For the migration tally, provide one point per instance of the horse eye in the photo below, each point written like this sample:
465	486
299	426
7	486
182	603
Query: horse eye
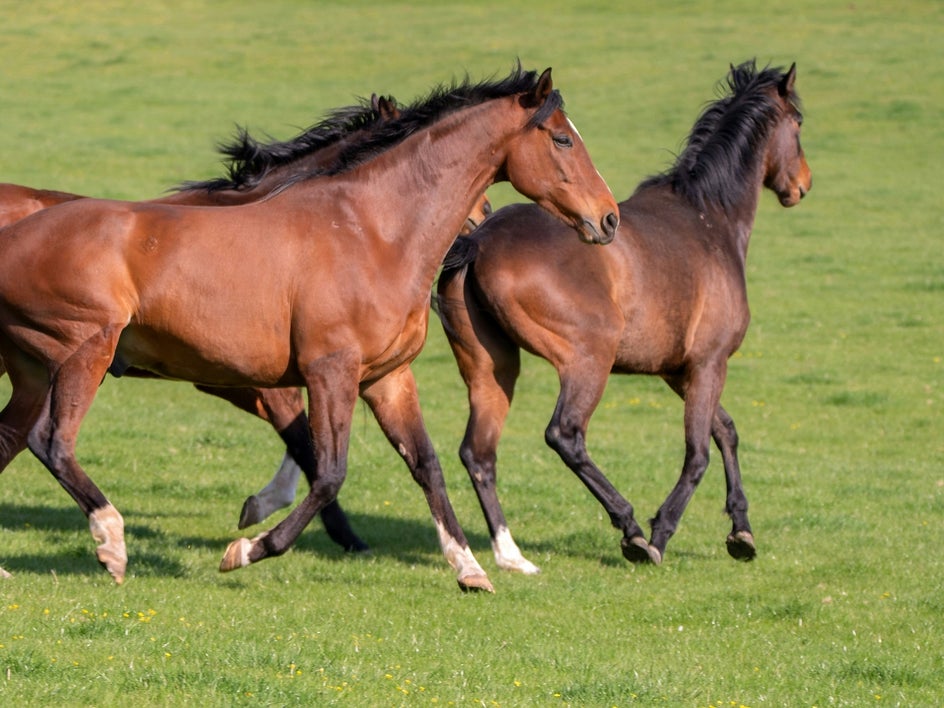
799	118
563	141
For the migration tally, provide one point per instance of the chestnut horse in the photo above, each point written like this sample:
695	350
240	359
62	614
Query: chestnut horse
254	170
312	286
667	298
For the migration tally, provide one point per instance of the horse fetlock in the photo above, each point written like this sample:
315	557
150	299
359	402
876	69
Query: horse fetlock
108	530
509	557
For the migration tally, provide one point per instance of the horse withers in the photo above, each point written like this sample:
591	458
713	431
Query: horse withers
667	298
314	286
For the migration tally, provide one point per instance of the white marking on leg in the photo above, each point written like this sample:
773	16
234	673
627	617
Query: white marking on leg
508	556
459	557
108	530
4	574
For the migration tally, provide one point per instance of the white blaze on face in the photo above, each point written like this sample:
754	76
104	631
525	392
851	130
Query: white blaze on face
577	132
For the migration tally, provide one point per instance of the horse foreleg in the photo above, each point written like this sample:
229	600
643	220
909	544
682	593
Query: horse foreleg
395	404
567	436
53	440
284	410
332	393
740	541
701	390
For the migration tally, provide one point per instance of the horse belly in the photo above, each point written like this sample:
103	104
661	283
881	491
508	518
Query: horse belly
207	355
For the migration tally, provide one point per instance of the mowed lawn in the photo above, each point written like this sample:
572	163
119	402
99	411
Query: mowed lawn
837	390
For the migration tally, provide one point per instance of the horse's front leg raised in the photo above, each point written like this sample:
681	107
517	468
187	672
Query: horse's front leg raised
395	403
332	393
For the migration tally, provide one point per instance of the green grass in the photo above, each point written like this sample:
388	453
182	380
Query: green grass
837	390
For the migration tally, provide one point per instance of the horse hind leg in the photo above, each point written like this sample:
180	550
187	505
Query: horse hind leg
489	363
53	440
740	542
17	418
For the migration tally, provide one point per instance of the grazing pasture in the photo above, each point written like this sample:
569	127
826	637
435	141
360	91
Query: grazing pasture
837	389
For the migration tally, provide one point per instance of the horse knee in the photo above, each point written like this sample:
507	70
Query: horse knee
566	442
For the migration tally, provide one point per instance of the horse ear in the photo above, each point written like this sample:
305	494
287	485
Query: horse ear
786	83
542	89
387	108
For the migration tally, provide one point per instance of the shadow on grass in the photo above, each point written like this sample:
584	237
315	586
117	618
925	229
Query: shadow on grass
407	541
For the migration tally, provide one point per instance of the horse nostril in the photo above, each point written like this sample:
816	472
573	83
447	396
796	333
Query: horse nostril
610	224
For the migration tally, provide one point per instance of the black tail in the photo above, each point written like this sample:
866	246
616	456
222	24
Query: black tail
461	255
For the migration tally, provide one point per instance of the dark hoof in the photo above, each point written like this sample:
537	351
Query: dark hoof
741	546
250	514
636	550
357	546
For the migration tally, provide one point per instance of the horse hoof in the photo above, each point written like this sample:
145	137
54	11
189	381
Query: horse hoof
636	550
655	555
741	546
108	529
251	513
236	556
4	574
475	583
115	562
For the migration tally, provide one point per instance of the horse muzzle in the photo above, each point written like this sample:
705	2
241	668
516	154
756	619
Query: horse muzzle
602	233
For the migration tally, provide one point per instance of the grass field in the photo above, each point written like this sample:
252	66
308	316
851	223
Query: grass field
837	390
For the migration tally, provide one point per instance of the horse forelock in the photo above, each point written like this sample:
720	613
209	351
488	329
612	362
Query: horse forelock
725	142
249	160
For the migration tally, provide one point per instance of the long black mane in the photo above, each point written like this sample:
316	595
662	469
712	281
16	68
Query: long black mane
249	161
441	101
722	148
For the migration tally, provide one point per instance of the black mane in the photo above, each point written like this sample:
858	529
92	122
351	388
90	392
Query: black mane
441	101
722	147
249	161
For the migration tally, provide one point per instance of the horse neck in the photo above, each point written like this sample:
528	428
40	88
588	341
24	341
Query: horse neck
739	218
445	169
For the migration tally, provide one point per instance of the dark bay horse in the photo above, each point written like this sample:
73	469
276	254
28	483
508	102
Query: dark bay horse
323	284
666	298
254	170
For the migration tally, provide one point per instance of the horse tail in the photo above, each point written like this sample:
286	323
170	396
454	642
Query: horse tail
449	302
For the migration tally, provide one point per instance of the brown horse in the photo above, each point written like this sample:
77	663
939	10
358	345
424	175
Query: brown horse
324	284
254	170
667	298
